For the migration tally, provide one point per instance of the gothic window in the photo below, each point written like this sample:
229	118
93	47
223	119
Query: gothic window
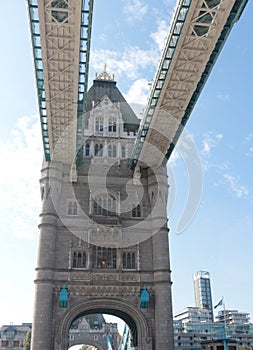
129	261
72	208
79	260
99	124
104	257
123	151
98	151
112	151
87	150
136	211
104	204
112	125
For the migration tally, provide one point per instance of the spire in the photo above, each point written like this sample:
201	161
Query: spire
104	75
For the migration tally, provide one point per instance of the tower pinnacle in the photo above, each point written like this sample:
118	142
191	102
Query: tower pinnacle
104	75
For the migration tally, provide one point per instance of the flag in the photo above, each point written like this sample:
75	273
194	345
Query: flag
219	303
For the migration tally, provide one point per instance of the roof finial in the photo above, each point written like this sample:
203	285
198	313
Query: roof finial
105	75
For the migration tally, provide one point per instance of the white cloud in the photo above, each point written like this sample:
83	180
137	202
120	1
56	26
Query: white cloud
138	92
169	2
248	140
210	141
249	153
238	189
137	96
249	137
103	37
159	36
223	97
129	63
21	158
135	10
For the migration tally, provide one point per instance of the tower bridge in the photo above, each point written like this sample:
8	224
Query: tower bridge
103	245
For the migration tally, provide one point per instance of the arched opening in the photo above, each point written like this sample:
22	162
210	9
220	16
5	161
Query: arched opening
104	331
99	332
139	330
83	347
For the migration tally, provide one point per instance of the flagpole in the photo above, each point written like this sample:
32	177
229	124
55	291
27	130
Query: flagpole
224	325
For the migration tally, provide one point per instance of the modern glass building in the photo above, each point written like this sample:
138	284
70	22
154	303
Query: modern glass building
233	317
202	291
192	335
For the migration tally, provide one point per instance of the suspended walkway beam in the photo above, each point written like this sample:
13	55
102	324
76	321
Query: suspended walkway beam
197	34
61	31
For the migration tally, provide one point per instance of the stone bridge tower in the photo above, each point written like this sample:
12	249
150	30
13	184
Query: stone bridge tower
103	245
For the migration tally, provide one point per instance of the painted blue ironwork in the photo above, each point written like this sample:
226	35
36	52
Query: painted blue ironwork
125	342
162	71
39	74
85	37
169	49
144	298
108	342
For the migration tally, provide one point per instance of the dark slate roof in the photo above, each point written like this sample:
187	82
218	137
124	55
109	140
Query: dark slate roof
25	327
95	320
100	88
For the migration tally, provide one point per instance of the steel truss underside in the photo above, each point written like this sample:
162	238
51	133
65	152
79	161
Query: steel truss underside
196	37
61	31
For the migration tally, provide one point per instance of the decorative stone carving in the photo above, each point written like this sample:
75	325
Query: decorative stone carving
109	291
107	237
105	276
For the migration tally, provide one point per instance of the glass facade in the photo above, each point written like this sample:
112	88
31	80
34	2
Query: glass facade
202	291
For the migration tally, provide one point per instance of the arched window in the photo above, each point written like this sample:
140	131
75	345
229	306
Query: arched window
136	211
104	204
104	257
87	150
79	260
129	260
72	208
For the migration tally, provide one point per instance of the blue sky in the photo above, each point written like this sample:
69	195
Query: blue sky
128	35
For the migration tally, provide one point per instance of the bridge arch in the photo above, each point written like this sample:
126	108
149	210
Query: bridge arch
92	343
133	317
